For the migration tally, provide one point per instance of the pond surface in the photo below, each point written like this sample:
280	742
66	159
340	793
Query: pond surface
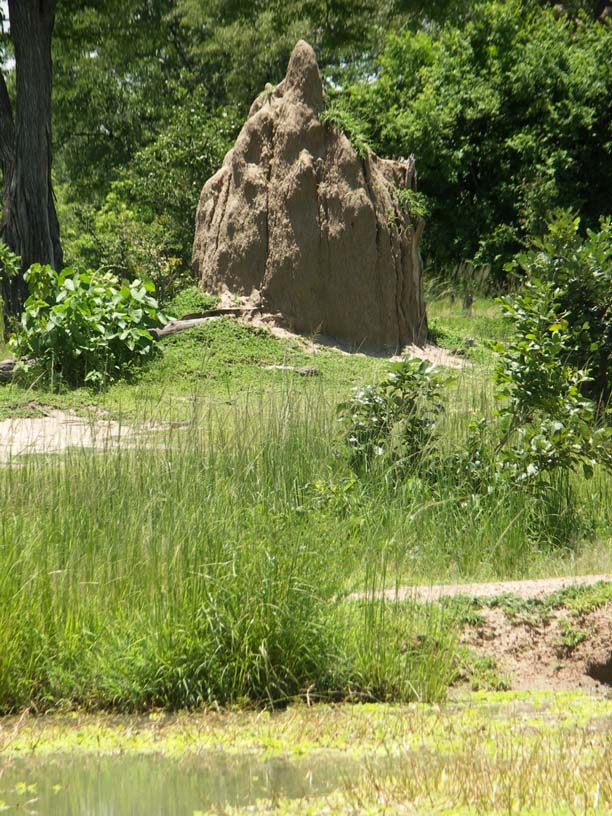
147	785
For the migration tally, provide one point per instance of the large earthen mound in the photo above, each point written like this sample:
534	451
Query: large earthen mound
297	221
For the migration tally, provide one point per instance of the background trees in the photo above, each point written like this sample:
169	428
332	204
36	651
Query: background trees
509	115
506	105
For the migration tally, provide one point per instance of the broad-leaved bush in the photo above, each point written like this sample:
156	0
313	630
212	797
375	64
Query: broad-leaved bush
85	328
553	377
395	421
578	269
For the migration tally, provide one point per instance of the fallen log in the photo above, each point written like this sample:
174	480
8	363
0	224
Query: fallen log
7	367
192	320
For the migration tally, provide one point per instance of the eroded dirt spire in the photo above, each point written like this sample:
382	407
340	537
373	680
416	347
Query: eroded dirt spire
296	220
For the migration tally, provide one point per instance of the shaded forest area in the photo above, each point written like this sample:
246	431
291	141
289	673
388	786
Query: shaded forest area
506	105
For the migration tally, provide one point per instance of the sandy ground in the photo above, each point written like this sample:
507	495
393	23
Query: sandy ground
57	431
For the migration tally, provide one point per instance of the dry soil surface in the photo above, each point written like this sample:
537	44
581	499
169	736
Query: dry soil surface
558	650
55	431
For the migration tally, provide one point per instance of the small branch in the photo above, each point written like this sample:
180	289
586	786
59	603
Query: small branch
192	320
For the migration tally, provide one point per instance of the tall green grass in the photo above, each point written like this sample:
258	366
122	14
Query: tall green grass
211	564
195	571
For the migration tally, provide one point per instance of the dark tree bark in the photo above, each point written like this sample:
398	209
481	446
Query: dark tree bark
29	221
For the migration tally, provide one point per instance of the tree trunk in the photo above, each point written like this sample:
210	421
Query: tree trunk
29	222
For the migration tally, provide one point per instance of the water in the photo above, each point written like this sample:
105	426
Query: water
146	785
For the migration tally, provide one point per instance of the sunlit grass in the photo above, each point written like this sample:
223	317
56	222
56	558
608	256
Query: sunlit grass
207	560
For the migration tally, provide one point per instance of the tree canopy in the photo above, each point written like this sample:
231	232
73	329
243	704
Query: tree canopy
506	106
509	116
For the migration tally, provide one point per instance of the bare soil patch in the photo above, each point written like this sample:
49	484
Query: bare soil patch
560	649
56	431
561	652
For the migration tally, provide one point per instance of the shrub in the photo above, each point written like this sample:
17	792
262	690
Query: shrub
87	327
579	271
10	265
543	375
144	226
396	420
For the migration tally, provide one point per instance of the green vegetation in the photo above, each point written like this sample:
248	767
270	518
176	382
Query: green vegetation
213	560
537	753
507	114
84	328
343	120
412	202
394	420
505	106
207	566
234	549
570	277
577	601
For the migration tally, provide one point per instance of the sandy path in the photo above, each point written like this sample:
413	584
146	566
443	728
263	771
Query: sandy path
55	432
525	589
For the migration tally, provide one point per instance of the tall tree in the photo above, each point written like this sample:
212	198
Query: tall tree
29	223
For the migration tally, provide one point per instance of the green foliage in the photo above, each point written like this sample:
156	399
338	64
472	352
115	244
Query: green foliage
85	328
9	262
505	104
580	270
144	228
10	265
123	69
114	62
546	430
396	420
412	202
343	120
118	239
561	322
507	113
225	36
191	300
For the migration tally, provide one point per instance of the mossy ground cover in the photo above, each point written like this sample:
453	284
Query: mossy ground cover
484	753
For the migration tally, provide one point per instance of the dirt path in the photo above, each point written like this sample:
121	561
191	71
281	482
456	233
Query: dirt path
56	431
537	588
